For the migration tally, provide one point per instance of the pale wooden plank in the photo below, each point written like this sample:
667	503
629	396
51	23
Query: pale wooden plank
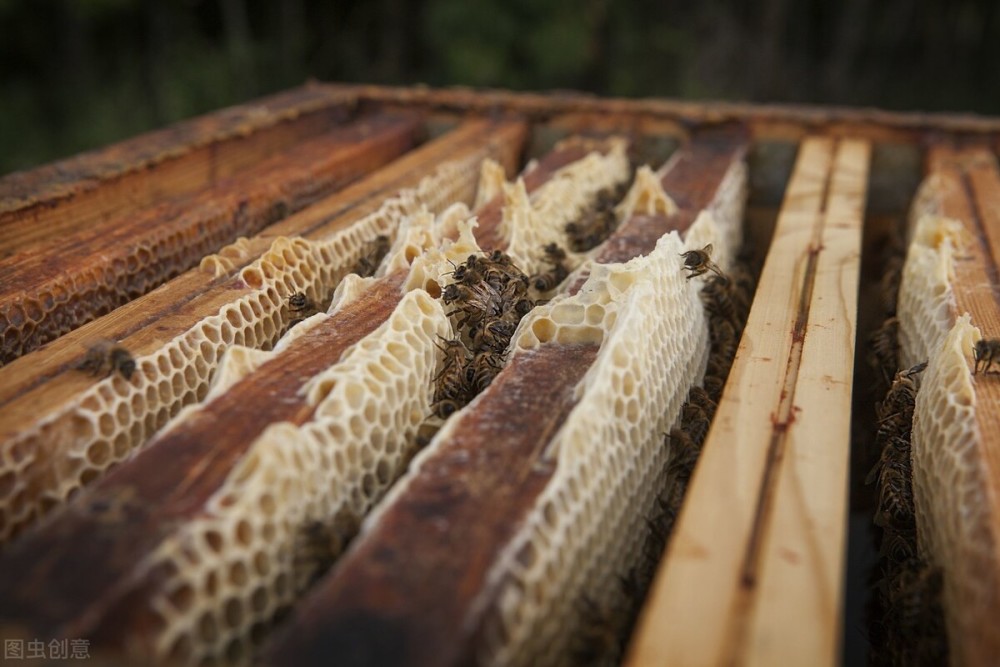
798	608
724	562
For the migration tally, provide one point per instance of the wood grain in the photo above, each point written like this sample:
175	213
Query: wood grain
764	518
91	188
50	288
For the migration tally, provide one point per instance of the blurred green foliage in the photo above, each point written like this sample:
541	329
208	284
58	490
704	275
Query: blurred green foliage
77	74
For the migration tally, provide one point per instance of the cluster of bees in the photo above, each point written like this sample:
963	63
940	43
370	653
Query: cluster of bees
598	223
489	297
909	591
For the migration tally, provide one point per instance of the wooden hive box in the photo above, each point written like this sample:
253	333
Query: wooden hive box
257	403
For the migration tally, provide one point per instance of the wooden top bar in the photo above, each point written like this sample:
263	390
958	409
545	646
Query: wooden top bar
177	160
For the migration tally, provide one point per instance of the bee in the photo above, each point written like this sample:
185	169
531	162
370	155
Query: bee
494	336
595	226
548	280
699	396
895	502
897	546
695	422
717	299
316	545
985	352
901	397
371	256
480	373
450	383
446	408
104	358
697	262
885	347
481	297
684	454
725	340
301	306
713	384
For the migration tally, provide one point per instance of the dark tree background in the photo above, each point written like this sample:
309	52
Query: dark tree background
76	74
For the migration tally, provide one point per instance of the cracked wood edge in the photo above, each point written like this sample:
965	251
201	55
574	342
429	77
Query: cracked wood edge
753	572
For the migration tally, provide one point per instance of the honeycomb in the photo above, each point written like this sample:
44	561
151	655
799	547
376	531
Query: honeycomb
645	197
236	566
952	496
42	466
571	190
610	452
926	303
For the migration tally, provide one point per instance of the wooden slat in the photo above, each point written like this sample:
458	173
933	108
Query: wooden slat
621	114
90	188
414	584
48	289
970	194
753	571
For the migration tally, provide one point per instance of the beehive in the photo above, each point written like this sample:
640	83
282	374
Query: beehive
657	467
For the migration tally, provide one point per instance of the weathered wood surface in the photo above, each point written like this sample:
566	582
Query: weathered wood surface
968	191
90	188
620	114
407	594
753	574
52	287
145	323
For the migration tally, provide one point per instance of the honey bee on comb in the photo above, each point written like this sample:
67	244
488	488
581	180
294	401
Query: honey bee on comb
547	281
105	357
698	262
371	256
985	352
301	306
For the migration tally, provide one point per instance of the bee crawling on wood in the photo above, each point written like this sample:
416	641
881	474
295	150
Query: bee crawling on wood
698	262
104	358
985	352
372	255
